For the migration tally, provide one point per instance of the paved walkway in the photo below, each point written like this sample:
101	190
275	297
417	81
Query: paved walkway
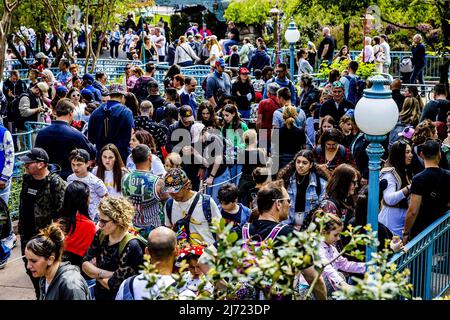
14	282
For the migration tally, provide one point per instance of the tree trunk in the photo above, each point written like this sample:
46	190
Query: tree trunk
443	74
347	34
5	26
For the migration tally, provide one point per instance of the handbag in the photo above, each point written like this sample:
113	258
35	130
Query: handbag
181	227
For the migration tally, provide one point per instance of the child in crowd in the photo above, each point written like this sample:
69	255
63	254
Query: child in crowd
258	85
346	126
191	288
332	275
230	209
79	159
261	176
234	57
173	160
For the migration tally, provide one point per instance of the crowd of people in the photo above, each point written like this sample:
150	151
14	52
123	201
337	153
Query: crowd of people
143	167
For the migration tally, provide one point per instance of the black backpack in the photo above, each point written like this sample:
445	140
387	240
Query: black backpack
12	110
356	88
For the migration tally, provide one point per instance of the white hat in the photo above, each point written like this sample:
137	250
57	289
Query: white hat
196	131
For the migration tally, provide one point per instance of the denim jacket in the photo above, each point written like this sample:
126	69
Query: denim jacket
312	199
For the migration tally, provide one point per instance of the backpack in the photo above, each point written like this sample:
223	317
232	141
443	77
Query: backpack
356	88
124	242
406	65
12	109
182	226
247	291
251	51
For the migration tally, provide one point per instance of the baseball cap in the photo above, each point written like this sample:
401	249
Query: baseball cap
61	91
186	112
244	70
117	88
221	62
35	155
174	180
196	130
88	78
407	132
44	88
87	95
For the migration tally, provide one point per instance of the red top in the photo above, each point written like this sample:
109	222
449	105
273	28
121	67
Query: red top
80	240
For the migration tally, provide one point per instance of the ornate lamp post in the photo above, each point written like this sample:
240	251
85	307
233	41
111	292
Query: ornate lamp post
292	35
276	31
365	19
375	114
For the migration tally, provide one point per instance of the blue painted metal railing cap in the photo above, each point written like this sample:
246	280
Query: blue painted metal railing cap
378	91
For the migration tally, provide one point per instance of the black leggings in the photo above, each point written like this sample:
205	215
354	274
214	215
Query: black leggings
114	48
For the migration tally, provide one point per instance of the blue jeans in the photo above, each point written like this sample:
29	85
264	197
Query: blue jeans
235	170
186	64
227	44
418	74
217	184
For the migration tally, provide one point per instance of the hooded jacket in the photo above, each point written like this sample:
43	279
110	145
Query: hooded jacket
259	60
68	284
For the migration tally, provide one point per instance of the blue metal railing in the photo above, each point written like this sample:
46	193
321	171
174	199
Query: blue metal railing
428	259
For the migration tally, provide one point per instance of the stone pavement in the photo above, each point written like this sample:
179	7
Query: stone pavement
14	282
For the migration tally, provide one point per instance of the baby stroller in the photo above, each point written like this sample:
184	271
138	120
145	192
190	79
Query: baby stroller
406	69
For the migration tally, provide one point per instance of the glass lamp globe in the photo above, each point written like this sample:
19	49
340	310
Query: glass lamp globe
292	35
376	113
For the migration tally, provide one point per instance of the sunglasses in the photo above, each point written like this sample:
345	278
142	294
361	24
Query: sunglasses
338	84
103	222
282	199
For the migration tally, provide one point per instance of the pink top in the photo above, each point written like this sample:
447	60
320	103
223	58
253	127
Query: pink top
328	253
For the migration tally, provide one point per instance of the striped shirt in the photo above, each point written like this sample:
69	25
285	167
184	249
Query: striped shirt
139	187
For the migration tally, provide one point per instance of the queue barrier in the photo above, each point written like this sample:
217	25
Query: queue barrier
427	257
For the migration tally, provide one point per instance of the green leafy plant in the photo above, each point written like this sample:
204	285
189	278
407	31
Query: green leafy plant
365	70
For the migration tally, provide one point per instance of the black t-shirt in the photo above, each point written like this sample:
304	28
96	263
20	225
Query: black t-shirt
213	147
253	159
291	140
28	201
433	184
260	229
330	52
300	197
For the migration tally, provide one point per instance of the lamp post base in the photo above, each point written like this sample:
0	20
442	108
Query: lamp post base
374	151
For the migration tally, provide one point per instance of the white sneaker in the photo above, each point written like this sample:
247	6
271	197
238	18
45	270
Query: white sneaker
10	241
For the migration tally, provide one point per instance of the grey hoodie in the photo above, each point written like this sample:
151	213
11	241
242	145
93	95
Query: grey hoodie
68	284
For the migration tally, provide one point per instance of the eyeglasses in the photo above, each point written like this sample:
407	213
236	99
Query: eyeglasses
282	199
355	182
102	223
279	71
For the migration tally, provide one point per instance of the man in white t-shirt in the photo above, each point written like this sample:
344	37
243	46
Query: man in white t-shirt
160	42
163	250
178	186
79	160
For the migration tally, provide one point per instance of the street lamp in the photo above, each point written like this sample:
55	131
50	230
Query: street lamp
376	114
276	31
292	35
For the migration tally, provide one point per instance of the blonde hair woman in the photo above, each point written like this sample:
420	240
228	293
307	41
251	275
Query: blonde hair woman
117	253
410	113
184	54
215	51
291	138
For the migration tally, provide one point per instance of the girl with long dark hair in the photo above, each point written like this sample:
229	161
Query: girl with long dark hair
340	192
76	223
207	115
398	175
110	169
305	183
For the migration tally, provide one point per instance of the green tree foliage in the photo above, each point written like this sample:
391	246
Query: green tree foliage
248	11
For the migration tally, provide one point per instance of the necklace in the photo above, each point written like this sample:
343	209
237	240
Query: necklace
303	179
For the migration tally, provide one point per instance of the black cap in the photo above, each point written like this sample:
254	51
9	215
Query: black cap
35	155
186	112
